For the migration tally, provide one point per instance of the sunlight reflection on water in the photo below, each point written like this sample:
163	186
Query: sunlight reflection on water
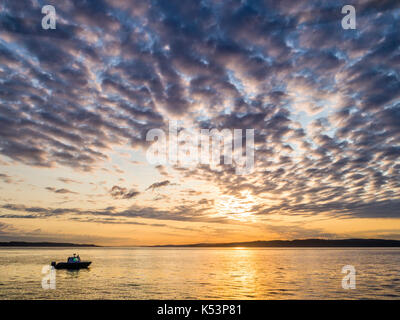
202	273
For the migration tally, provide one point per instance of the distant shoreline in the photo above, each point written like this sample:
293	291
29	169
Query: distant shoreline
300	243
306	243
43	244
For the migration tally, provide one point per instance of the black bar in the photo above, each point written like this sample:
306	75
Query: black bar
200	309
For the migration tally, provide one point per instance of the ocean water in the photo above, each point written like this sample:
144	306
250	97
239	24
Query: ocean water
203	273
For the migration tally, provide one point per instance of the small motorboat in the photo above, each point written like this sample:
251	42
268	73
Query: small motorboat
73	262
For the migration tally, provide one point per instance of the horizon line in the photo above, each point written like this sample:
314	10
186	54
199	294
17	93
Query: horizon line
200	244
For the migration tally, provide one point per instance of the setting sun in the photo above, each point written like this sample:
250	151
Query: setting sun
236	207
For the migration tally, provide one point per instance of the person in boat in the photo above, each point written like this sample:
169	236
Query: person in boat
74	258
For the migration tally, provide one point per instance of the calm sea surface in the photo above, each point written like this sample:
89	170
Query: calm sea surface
202	273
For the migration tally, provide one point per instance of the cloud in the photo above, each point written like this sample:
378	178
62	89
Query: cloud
68	181
324	102
5	178
61	191
189	213
123	193
160	184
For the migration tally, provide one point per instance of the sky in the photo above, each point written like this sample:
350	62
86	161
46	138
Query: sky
77	102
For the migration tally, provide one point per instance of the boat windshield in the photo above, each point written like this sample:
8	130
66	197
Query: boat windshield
74	259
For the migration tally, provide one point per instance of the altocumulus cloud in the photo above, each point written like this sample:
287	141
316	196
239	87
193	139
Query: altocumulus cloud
324	102
160	184
118	192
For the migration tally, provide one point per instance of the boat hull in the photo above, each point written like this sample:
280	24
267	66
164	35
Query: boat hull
73	265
